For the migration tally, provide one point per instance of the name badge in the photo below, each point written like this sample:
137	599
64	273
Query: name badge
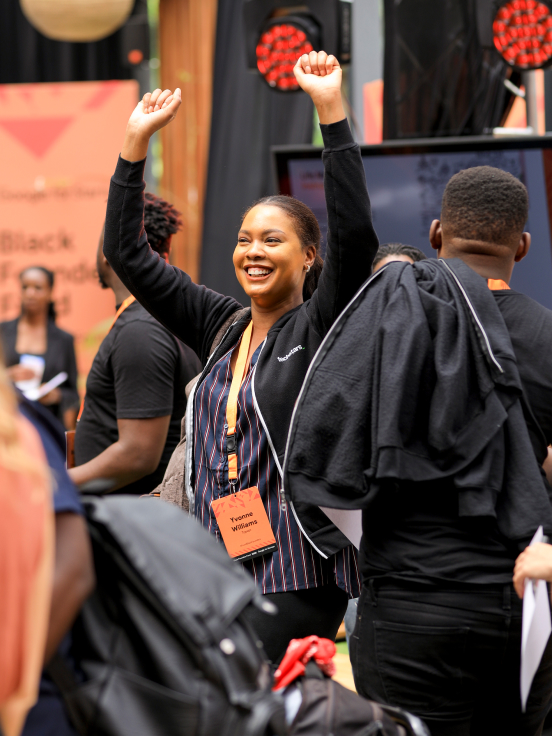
244	524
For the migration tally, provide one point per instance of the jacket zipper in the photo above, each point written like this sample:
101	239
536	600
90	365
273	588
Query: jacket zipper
303	387
283	500
474	314
318	352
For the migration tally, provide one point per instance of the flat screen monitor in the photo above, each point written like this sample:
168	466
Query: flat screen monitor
406	180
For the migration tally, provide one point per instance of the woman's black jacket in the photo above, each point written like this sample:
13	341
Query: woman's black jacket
59	357
195	314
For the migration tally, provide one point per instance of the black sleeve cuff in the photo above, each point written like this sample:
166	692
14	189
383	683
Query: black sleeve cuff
129	174
337	135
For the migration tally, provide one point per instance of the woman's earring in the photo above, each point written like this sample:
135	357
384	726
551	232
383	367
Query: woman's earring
308	269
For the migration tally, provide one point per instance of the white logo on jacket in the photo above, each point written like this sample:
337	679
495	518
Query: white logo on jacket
288	356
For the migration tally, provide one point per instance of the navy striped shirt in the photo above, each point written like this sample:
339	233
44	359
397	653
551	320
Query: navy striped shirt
295	565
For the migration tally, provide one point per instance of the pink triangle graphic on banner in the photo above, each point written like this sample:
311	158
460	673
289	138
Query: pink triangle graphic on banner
36	134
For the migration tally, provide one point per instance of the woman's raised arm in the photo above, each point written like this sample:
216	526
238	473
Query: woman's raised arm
351	242
193	313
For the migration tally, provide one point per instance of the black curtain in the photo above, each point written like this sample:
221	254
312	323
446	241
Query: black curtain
442	77
28	56
248	117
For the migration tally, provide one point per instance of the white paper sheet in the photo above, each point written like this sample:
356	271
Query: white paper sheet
348	522
536	628
36	364
34	394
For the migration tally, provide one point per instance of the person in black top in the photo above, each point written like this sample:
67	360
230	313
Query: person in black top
534	563
135	391
439	623
35	333
295	299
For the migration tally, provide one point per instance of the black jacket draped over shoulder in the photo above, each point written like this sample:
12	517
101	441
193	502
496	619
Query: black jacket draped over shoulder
195	314
417	381
59	357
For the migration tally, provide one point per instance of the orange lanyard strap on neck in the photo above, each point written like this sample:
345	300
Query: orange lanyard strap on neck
232	404
497	284
127	302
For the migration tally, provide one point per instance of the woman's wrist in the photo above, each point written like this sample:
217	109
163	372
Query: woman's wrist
330	108
135	146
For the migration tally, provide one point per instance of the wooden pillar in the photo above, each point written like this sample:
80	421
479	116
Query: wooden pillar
187	31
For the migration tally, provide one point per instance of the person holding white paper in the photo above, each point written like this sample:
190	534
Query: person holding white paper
534	563
36	350
450	495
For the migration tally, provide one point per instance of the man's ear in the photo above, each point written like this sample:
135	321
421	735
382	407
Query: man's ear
436	235
523	247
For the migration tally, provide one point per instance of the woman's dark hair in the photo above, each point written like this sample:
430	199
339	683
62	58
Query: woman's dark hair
51	278
307	229
161	222
398	249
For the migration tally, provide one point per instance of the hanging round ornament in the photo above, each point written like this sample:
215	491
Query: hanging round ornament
77	20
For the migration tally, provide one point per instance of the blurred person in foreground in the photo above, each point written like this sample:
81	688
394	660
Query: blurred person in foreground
34	334
73	571
26	560
135	391
392	252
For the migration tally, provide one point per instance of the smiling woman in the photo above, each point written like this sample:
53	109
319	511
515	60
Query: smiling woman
277	259
302	227
240	409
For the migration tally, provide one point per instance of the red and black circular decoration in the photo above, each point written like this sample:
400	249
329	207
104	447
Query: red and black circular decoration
278	49
522	34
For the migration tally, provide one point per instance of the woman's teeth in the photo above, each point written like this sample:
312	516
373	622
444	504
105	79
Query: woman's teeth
258	271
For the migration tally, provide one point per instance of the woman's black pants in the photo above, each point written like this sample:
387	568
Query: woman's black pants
450	656
316	611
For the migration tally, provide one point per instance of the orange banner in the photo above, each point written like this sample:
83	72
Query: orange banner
58	149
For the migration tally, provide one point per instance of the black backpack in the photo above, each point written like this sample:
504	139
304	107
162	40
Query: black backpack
162	647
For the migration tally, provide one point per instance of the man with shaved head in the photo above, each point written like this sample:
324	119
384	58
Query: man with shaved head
443	582
483	213
440	422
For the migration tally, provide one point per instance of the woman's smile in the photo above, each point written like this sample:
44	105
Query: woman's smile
257	273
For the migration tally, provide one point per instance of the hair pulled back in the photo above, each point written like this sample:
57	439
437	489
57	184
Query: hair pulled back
161	222
50	276
307	229
398	249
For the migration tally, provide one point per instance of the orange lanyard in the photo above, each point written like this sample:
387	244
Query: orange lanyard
232	404
127	302
497	284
